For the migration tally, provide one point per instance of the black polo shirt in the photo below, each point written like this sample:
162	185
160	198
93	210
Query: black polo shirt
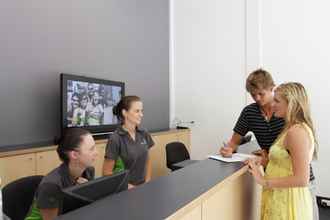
266	132
49	192
134	153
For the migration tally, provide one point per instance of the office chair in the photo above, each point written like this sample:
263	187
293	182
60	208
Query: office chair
18	195
176	152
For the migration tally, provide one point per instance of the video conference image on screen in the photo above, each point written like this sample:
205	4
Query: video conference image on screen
91	104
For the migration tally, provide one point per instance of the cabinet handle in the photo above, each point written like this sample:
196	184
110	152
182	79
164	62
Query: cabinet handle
30	158
40	157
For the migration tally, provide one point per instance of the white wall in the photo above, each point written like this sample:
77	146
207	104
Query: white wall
296	47
208	64
215	43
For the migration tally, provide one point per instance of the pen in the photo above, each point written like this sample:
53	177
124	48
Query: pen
225	146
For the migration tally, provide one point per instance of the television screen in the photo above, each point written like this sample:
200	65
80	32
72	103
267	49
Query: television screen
88	102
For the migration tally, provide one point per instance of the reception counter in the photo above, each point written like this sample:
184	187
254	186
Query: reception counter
208	189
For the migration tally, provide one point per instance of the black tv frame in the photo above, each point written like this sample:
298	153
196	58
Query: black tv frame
100	130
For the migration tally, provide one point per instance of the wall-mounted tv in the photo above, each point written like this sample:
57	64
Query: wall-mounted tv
88	102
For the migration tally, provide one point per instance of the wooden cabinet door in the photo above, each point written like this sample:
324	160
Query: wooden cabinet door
100	159
184	137
47	161
158	154
41	163
15	167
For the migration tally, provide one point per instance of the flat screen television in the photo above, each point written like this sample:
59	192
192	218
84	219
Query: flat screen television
88	102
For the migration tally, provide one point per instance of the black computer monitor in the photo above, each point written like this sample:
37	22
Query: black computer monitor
80	195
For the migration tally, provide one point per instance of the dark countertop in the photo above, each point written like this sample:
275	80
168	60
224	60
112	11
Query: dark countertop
159	198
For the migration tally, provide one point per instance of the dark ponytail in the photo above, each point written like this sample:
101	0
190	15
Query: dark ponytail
124	103
71	140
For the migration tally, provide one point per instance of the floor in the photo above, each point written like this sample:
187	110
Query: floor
324	213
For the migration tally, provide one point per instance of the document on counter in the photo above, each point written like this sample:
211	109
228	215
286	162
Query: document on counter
236	157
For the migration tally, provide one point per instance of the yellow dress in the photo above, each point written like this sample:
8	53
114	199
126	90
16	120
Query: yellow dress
294	203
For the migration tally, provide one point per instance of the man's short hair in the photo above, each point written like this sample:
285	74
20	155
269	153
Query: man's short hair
259	79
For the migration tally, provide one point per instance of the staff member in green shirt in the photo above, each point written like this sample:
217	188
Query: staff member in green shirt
129	143
78	152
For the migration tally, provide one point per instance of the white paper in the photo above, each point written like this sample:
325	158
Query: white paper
236	157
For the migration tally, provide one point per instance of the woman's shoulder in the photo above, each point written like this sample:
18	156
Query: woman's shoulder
53	177
143	131
297	133
117	135
118	132
298	129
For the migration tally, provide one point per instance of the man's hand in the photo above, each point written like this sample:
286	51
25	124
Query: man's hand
226	151
131	186
81	180
258	152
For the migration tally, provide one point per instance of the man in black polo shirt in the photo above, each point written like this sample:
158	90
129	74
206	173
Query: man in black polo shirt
259	118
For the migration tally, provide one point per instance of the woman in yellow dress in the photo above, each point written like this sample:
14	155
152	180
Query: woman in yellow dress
285	193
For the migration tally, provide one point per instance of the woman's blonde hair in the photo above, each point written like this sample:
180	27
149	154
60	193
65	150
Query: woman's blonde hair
298	110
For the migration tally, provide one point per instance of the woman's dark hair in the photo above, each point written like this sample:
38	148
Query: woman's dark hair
71	139
124	103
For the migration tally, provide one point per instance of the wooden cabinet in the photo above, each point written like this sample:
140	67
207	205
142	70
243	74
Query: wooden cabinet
46	161
237	197
192	211
158	152
100	159
17	166
158	155
40	161
184	137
